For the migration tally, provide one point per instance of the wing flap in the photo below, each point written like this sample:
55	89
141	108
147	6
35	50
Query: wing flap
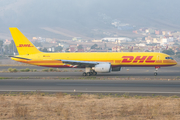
80	63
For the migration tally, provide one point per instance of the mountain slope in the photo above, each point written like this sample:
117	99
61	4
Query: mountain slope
81	16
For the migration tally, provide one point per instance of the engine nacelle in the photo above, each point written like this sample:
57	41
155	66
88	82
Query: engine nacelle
116	69
103	67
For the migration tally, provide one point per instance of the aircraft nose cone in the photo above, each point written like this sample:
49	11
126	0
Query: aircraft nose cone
175	63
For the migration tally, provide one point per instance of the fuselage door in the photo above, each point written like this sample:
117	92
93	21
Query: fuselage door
158	59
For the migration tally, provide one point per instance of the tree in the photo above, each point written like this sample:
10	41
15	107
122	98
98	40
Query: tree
37	44
105	46
143	38
67	50
10	47
58	49
169	52
6	49
44	50
14	47
94	46
1	45
177	53
80	47
177	56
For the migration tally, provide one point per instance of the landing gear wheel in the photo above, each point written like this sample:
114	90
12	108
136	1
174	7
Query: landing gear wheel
94	73
155	74
84	74
88	73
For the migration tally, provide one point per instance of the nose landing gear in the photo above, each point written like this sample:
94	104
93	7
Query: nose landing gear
155	72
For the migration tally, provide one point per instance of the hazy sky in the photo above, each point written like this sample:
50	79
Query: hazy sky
82	15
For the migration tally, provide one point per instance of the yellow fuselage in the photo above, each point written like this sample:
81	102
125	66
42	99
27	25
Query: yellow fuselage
116	59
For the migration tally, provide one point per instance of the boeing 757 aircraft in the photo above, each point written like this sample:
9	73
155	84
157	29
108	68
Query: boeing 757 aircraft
93	62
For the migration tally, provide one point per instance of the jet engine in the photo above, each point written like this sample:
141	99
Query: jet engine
103	67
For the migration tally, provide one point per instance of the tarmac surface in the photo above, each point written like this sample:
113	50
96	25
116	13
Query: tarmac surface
92	86
163	84
141	72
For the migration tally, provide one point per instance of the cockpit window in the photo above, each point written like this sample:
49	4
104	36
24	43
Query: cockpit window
169	58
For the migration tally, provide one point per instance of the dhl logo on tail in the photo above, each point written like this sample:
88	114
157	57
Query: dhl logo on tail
25	45
138	59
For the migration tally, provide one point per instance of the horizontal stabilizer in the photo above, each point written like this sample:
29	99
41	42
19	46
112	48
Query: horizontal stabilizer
21	58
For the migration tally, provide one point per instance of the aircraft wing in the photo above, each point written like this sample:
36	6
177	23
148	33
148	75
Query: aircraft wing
80	63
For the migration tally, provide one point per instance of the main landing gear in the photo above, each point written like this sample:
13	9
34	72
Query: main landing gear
155	72
89	72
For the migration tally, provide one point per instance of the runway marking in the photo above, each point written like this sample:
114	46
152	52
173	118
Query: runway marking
88	91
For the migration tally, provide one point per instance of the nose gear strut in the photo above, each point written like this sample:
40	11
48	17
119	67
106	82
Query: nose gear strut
155	72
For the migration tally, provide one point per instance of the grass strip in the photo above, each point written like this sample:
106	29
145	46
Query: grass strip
37	105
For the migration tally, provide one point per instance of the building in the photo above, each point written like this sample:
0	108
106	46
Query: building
60	45
80	50
163	41
147	31
151	31
122	39
79	39
73	48
7	42
141	44
157	32
135	31
156	40
149	41
96	40
163	32
116	49
51	49
34	38
49	40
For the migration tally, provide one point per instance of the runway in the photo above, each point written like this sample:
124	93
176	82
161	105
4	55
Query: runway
144	82
146	72
92	86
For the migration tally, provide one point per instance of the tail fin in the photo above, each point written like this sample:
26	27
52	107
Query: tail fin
24	46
